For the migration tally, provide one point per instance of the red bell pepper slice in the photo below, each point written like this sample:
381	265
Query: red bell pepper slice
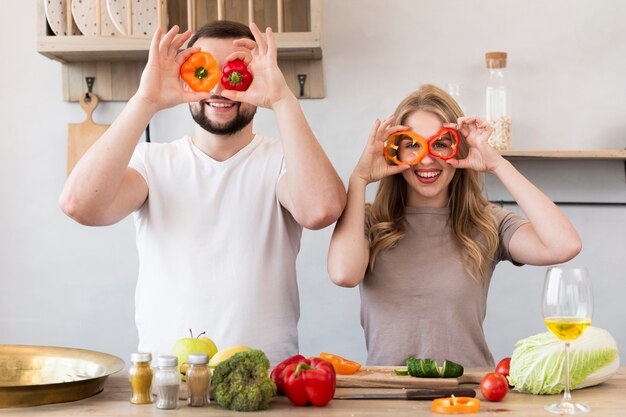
277	373
235	76
311	381
438	146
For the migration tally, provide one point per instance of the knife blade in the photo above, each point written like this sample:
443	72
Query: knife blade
409	394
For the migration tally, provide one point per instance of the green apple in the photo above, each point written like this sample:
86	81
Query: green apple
212	346
183	347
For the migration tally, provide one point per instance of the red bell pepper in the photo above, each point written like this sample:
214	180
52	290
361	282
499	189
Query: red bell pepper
311	381
235	75
277	372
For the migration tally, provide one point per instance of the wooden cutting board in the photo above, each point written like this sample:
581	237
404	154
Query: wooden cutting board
80	136
385	377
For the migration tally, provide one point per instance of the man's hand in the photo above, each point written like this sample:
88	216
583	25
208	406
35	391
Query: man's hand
160	85
268	86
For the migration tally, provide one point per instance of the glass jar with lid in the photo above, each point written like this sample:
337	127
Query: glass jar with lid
167	382
198	379
498	101
140	376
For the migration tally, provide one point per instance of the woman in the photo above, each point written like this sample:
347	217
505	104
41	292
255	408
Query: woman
432	240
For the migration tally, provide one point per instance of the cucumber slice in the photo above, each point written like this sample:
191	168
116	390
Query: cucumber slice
401	372
430	368
414	367
451	369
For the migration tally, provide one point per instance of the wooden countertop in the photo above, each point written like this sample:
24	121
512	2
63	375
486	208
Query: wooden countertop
606	400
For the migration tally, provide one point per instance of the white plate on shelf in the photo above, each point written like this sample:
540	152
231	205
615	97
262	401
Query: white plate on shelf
57	18
85	13
144	16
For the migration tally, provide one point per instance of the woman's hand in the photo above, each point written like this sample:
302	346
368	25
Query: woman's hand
160	84
372	165
481	156
268	86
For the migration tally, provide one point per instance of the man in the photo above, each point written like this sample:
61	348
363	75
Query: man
219	214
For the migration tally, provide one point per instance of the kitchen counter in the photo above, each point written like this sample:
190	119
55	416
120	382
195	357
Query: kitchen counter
606	400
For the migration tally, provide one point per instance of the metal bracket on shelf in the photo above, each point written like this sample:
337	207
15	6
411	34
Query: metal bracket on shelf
90	81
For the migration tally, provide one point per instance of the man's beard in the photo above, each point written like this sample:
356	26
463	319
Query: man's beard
241	120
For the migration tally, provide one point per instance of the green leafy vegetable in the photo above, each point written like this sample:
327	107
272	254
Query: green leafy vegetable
537	362
242	382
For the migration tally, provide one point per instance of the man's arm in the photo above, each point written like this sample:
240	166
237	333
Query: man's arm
101	189
311	189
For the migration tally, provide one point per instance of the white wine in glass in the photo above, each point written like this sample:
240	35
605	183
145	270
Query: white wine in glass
567	309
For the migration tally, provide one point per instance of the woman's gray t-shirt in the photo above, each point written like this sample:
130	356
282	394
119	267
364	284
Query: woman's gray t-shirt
420	302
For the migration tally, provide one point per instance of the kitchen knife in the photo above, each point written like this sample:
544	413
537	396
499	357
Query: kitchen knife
409	394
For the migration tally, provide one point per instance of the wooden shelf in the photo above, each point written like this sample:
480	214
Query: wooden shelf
117	61
69	49
607	154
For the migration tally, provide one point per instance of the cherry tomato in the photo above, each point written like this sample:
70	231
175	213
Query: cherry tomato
494	386
504	367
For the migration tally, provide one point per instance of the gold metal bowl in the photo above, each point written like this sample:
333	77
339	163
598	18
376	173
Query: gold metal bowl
36	375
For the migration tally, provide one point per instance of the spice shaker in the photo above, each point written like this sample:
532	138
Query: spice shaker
198	379
498	101
167	381
140	376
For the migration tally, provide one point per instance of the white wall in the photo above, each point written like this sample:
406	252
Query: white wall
69	285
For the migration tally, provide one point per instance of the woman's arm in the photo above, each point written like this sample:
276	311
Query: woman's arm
348	255
549	238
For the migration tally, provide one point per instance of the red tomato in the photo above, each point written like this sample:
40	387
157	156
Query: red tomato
494	386
504	366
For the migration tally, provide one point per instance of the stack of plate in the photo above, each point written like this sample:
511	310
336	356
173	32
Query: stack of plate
113	15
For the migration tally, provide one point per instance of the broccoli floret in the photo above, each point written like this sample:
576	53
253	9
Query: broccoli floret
242	382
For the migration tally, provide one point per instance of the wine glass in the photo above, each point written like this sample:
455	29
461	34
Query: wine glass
567	308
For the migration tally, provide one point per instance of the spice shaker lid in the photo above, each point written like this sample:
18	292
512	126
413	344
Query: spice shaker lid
141	357
198	358
495	59
167	360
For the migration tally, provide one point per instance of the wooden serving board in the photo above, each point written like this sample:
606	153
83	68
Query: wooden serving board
80	136
385	377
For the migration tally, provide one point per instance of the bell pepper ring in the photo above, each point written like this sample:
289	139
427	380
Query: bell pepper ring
456	405
311	381
342	366
443	145
235	75
200	71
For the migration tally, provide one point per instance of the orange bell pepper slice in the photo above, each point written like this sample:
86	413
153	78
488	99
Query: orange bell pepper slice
342	366
200	71
456	405
416	139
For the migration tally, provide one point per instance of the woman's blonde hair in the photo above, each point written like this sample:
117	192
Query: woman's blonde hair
468	216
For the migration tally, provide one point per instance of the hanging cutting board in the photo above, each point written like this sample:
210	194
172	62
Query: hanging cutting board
385	377
80	136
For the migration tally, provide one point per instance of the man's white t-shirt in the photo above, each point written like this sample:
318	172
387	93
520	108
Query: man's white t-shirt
217	251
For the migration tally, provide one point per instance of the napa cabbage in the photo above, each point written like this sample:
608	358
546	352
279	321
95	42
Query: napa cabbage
537	362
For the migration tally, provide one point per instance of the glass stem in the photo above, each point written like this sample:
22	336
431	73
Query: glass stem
567	397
